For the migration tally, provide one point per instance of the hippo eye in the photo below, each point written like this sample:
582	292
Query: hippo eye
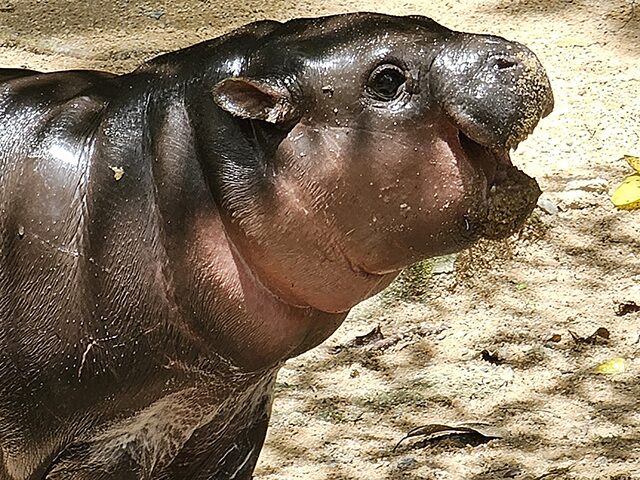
385	82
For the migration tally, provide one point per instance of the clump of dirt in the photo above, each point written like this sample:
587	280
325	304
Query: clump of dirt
511	201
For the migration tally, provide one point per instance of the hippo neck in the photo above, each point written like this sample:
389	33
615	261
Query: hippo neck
217	294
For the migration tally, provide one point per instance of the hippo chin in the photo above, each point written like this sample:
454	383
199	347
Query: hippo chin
169	237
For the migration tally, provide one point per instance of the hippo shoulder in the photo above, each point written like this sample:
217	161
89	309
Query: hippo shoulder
47	122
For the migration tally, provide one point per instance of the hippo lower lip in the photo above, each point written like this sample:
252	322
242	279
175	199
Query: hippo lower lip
511	194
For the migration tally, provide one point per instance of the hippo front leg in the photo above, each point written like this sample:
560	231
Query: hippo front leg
74	469
237	463
242	439
186	435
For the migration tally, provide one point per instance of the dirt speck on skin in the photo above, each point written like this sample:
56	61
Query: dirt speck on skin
338	416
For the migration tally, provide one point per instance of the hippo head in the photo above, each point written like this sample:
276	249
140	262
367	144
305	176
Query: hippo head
382	141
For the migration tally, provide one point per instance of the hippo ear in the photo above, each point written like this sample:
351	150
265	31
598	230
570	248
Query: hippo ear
257	99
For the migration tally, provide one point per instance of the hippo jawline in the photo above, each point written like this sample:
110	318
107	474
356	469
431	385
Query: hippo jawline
511	197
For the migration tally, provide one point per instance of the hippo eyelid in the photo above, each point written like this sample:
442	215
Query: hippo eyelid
386	82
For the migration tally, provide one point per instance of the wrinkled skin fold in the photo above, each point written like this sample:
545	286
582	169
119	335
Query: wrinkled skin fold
169	237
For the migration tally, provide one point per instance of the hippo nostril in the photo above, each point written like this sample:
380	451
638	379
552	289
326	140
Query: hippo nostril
502	63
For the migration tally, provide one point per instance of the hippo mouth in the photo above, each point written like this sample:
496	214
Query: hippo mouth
510	195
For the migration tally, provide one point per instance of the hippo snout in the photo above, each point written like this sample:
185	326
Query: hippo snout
495	91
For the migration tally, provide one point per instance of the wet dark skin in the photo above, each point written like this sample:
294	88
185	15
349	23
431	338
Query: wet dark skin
169	237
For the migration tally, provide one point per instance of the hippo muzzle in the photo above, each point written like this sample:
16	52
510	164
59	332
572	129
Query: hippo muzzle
495	92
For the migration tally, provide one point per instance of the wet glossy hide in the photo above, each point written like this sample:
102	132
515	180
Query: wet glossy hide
169	237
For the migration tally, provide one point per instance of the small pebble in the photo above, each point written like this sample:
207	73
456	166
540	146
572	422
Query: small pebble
155	14
407	462
575	200
547	206
445	264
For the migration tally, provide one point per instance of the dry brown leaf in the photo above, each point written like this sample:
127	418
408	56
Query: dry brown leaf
555	338
492	358
431	431
625	308
601	335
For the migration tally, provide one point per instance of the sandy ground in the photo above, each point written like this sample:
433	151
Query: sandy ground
340	412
